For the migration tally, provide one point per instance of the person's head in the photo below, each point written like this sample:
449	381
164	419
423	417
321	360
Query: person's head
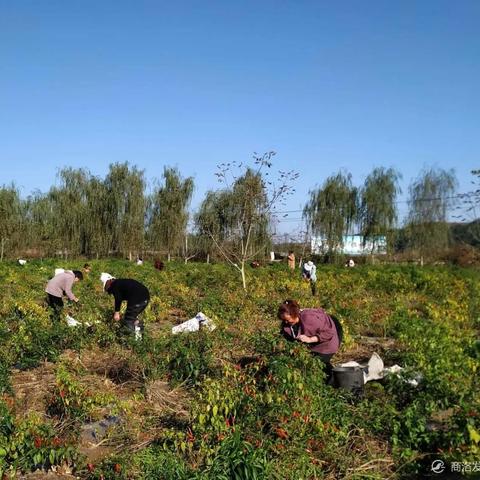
108	284
289	312
87	268
290	252
78	275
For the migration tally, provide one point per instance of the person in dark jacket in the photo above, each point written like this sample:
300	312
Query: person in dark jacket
137	297
322	333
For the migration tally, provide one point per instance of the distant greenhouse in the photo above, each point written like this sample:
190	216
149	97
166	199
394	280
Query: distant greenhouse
353	245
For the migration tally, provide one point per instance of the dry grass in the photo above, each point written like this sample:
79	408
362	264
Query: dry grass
369	457
32	389
162	399
114	363
364	347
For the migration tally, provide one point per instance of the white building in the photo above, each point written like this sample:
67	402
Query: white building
352	245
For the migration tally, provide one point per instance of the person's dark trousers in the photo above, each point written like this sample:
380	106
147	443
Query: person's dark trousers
313	286
56	304
326	357
130	319
339	328
328	367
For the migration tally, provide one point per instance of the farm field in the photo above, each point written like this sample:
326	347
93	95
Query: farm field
238	402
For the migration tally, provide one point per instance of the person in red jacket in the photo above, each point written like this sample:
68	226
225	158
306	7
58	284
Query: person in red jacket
322	333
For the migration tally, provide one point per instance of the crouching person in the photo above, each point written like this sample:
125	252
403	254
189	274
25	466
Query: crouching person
322	333
137	297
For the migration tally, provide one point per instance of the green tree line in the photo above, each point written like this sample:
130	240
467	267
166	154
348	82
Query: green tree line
121	215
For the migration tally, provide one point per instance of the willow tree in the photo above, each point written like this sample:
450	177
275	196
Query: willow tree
125	208
39	224
98	228
378	209
430	197
71	215
214	220
10	215
169	211
331	211
237	217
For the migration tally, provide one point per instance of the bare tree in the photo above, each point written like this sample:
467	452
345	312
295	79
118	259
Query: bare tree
237	218
468	211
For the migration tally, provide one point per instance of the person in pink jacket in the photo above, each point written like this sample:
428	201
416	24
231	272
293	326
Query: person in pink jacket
61	285
321	332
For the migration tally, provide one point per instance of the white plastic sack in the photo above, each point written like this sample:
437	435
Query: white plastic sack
375	369
22	262
194	324
396	369
71	322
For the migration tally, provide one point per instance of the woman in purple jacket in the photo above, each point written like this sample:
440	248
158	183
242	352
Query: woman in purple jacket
313	326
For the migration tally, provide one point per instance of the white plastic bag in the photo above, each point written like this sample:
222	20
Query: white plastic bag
72	322
194	324
206	322
375	370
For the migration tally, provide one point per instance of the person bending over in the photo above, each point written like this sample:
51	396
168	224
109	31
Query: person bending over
61	285
137	297
322	333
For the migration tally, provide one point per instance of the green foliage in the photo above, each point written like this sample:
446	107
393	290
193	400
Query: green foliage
378	210
10	217
29	445
238	459
332	210
430	195
154	462
254	405
168	212
189	358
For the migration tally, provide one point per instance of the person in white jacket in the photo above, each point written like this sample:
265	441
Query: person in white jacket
309	274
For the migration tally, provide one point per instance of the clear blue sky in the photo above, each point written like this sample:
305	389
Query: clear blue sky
327	85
